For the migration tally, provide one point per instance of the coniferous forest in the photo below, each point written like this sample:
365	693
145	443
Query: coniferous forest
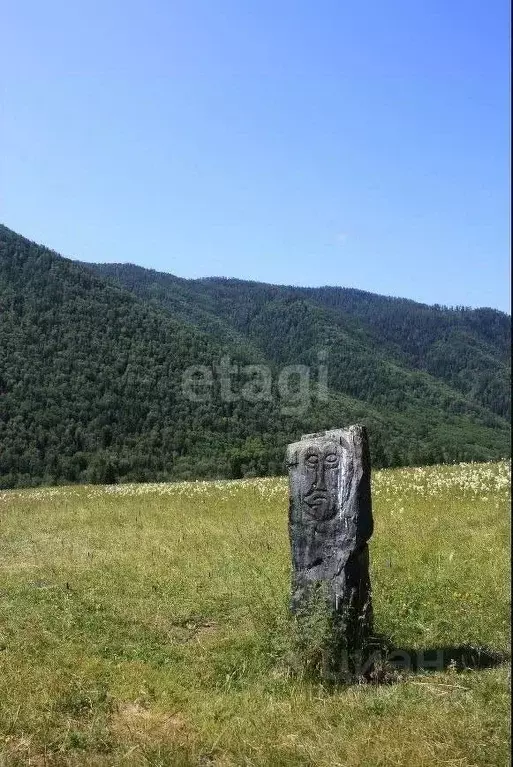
93	356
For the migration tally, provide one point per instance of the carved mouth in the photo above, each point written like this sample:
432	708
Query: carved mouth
317	498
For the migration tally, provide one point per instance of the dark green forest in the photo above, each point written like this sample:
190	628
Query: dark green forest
92	359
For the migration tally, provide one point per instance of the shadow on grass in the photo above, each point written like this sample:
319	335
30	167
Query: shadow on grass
385	663
382	663
461	658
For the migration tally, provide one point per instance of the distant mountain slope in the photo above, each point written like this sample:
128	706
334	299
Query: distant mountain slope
469	349
92	359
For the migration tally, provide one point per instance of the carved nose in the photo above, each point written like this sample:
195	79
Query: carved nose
320	483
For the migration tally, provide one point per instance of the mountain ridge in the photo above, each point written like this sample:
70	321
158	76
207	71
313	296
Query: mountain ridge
92	360
424	355
288	286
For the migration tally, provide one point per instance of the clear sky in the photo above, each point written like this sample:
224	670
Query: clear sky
362	144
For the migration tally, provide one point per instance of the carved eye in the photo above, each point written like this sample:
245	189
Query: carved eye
311	461
331	460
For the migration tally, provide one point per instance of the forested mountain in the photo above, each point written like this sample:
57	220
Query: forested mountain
92	359
467	348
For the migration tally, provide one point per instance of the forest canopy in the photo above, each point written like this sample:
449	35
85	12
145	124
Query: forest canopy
92	359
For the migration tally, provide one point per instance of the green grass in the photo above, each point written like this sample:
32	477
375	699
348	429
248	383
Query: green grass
148	625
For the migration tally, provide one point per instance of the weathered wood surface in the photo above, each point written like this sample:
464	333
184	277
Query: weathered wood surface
330	523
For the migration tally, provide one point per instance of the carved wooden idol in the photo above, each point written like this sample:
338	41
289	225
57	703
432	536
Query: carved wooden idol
330	522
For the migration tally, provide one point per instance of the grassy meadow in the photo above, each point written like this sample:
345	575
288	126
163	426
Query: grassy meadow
148	625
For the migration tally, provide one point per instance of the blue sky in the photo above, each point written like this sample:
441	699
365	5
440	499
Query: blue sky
362	144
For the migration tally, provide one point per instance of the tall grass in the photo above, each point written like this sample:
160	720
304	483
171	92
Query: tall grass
149	625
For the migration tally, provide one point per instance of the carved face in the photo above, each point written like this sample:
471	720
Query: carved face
319	472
